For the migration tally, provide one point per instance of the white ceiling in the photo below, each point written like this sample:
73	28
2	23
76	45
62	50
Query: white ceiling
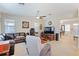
58	10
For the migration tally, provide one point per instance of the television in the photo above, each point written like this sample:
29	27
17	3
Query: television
52	30
49	30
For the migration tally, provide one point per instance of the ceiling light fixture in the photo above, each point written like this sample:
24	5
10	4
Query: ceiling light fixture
37	15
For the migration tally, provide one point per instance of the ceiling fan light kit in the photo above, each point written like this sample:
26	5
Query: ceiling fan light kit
37	17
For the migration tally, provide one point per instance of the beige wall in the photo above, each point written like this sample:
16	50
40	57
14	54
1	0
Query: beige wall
18	20
55	23
19	25
70	22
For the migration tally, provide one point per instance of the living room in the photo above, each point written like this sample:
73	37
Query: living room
54	24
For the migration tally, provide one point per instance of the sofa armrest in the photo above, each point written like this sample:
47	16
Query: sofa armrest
46	50
12	47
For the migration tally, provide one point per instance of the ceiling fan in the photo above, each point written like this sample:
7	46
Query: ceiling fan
38	16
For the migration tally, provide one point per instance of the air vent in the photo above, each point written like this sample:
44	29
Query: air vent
21	3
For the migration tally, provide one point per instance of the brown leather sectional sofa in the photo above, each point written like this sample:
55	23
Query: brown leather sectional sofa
14	40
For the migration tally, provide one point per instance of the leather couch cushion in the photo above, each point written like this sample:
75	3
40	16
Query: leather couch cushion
1	37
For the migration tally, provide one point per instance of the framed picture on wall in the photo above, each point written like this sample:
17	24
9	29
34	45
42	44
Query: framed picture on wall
25	24
40	26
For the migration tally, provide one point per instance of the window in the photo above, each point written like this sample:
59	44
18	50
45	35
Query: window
9	26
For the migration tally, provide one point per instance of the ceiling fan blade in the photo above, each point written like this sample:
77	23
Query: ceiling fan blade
21	3
41	17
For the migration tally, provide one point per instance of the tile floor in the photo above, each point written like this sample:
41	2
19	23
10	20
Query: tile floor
66	46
